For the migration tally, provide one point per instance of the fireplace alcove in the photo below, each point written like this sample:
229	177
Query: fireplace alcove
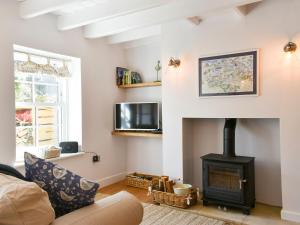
256	137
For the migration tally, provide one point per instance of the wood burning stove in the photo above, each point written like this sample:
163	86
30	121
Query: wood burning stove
228	179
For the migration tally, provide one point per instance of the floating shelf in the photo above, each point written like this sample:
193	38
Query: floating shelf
140	85
136	134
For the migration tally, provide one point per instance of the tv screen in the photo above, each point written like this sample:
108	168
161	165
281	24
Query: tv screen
137	116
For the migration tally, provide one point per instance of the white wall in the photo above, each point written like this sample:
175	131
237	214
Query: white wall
144	154
258	138
269	27
98	88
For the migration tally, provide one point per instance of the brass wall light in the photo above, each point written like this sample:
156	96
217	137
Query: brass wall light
174	62
290	47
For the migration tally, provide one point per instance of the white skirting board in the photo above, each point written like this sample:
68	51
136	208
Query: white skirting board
112	179
291	216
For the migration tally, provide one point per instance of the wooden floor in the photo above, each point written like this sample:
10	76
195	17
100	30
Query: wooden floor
261	215
141	194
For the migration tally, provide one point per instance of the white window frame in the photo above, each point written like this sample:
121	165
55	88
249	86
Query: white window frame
63	103
61	107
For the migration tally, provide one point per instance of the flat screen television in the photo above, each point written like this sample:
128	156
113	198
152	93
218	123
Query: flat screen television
144	116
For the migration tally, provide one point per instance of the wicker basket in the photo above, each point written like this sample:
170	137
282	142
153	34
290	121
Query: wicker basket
140	180
172	199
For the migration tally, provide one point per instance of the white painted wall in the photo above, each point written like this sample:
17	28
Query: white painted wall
269	27
144	154
254	137
98	88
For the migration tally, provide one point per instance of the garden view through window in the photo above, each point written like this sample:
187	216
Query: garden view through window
41	102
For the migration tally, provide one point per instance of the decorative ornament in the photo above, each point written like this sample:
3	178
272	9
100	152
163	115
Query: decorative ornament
157	68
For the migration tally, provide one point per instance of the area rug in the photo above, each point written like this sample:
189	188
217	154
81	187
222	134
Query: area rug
164	215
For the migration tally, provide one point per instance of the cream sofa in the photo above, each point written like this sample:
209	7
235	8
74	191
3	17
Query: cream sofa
25	203
119	209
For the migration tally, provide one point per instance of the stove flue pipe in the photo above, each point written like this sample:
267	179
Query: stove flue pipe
229	137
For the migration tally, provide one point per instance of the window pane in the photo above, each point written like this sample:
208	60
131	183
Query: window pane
49	79
23	76
24	137
24	117
46	93
23	92
47	116
47	135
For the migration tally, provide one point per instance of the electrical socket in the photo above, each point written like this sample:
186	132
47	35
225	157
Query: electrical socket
96	158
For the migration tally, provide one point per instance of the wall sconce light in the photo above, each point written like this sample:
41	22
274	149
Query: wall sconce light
174	62
290	47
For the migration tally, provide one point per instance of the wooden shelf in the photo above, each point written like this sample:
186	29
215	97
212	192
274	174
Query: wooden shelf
140	85
136	134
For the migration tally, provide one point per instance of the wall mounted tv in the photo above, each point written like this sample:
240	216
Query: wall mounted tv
138	116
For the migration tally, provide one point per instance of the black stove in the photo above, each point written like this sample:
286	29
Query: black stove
228	180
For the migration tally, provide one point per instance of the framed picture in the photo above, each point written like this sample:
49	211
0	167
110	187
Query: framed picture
230	74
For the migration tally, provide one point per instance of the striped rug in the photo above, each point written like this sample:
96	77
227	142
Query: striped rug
164	215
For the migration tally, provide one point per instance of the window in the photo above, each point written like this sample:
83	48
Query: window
42	102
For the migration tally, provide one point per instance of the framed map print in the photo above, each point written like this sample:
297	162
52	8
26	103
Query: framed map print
230	74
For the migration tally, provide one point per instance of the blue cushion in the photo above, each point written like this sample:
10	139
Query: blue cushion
67	191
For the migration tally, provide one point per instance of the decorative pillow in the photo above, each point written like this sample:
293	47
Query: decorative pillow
23	202
67	191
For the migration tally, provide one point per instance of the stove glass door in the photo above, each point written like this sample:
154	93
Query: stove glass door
224	181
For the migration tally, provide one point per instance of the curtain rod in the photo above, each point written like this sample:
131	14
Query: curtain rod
27	53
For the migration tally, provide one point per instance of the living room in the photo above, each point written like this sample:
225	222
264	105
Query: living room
165	45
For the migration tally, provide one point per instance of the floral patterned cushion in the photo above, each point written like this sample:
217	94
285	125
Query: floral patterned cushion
67	191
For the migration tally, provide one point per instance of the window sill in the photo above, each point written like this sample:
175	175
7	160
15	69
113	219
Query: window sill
19	164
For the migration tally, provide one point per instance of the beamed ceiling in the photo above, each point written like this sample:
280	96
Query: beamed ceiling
127	20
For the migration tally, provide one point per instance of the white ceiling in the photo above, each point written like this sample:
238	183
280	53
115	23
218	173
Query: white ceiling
77	6
126	20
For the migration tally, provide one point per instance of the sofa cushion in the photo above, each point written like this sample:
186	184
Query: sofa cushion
67	191
23	203
119	209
